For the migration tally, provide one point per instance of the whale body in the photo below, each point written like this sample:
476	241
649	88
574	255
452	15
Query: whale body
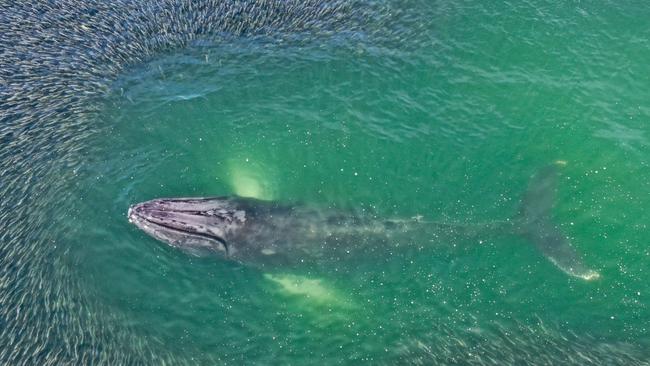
270	234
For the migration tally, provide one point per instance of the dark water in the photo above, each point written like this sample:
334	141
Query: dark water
439	109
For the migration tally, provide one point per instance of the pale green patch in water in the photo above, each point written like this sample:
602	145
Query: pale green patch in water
250	179
314	291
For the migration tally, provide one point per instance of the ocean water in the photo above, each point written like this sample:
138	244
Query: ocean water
443	110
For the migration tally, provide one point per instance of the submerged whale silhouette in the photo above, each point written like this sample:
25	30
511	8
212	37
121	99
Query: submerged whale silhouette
267	234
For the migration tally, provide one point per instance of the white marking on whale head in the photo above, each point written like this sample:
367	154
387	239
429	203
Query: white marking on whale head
268	251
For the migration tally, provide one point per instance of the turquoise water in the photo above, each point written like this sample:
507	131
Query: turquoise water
443	110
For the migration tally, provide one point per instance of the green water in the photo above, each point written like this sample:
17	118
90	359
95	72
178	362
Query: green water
443	110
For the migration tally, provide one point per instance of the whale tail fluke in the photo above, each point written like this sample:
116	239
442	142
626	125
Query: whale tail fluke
534	221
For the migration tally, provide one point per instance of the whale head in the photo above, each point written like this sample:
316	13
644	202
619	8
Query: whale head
198	226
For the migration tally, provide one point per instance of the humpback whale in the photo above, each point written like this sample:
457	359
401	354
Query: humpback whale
269	234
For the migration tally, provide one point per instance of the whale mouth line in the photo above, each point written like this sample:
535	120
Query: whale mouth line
134	217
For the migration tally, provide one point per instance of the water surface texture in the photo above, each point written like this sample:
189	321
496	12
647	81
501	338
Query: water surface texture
404	109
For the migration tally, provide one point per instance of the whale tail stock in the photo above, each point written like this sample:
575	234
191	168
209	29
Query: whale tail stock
534	222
